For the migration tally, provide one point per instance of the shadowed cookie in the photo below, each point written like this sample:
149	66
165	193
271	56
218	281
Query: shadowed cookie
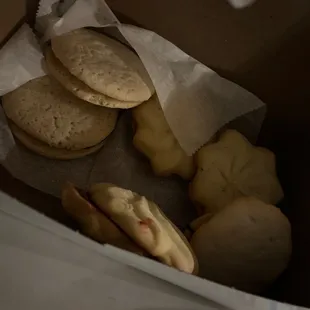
47	151
103	64
246	245
80	89
52	115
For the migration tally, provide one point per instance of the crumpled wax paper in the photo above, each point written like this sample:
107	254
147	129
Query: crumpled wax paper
196	101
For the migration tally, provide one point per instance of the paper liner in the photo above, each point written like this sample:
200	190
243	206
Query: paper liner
196	101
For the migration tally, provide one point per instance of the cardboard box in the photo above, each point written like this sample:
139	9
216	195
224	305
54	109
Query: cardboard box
264	48
12	14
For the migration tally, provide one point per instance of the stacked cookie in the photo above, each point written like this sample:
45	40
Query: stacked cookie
118	216
70	112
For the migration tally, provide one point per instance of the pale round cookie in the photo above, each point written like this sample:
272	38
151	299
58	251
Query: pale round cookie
49	113
247	245
103	64
80	89
45	150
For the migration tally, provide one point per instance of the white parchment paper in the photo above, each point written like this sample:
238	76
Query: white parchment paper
20	60
196	101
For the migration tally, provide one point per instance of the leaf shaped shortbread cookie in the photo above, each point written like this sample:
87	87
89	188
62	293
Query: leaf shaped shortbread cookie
232	168
154	138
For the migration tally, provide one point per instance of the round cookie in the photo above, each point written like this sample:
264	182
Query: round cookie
80	89
247	245
103	64
45	150
49	113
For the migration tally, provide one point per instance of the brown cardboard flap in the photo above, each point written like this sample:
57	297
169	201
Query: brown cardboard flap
31	9
215	33
11	14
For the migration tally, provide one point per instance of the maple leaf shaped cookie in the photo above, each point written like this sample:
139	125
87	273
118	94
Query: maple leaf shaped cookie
232	168
154	138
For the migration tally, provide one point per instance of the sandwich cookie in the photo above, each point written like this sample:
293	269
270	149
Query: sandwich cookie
104	64
80	89
93	222
45	111
144	222
45	150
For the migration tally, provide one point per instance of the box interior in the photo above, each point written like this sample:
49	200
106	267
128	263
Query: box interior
10	22
264	48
